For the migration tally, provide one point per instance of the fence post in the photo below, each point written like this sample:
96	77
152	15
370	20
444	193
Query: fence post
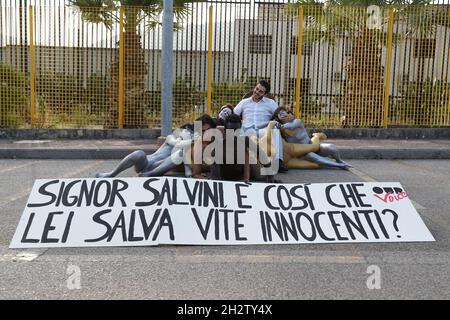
448	106
387	75
299	60
210	34
121	70
32	71
167	69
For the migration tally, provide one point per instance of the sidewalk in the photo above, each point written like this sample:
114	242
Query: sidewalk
117	149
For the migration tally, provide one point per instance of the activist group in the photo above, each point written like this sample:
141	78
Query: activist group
252	141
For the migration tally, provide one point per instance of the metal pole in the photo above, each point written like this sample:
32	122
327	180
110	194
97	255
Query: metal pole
448	106
299	63
210	37
32	71
387	71
121	70
166	63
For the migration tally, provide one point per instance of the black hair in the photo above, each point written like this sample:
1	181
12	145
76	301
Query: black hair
227	106
206	119
250	93
232	119
188	126
265	84
278	110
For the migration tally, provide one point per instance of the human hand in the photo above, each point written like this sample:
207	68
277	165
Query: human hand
275	124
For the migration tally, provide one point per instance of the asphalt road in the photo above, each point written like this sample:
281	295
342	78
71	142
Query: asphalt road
324	271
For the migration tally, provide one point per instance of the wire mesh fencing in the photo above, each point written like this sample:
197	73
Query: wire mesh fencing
63	66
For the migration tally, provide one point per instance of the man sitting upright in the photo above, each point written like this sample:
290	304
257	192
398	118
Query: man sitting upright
256	112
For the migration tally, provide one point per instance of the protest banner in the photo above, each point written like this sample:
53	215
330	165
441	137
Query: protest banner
168	210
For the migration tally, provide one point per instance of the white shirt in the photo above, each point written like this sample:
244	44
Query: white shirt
255	115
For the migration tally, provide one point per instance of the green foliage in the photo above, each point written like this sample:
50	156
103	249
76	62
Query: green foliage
228	92
59	91
96	94
13	96
311	106
62	100
189	102
186	99
323	121
421	104
136	11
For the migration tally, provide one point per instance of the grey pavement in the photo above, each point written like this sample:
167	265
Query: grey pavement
311	271
118	148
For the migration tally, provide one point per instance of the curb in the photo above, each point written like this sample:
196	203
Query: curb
85	154
389	154
132	134
98	134
93	154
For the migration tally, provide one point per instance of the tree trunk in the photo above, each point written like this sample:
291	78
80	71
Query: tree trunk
135	70
363	92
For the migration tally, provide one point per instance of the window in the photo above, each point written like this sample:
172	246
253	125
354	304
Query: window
337	76
305	85
347	47
260	44
424	48
306	47
294	42
404	77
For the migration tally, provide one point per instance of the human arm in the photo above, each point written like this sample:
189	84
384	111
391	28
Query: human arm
266	140
172	140
294	124
239	108
183	143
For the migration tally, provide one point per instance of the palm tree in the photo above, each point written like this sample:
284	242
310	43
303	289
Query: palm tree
362	101
106	12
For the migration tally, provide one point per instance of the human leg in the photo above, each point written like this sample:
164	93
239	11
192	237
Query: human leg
138	159
325	161
296	163
297	150
162	167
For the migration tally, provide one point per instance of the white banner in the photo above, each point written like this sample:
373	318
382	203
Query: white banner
167	210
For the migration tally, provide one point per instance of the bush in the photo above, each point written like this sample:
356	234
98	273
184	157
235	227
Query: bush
228	92
64	102
13	97
421	104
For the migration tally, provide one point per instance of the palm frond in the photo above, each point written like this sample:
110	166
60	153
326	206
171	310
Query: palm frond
97	11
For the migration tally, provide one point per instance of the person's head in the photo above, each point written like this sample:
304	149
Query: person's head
262	88
207	122
225	111
233	121
188	126
283	115
185	131
265	84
